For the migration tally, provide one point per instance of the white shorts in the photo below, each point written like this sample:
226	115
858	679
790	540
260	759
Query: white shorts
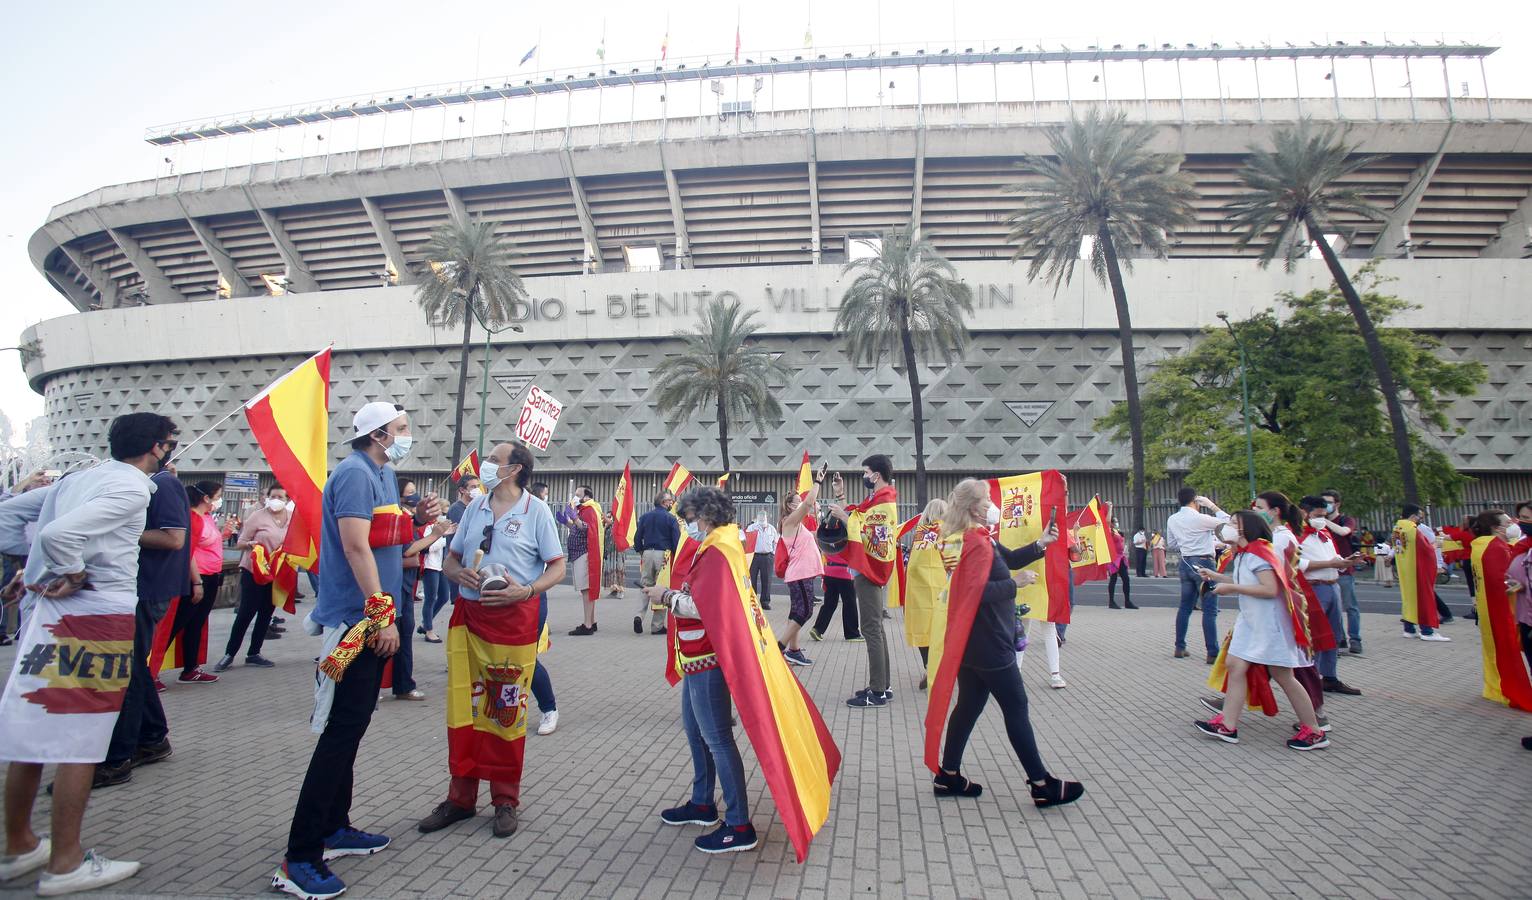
581	576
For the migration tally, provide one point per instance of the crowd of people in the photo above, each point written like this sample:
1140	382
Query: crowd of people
119	548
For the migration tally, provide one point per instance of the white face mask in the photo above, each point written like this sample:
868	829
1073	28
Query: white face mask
1513	533
290	506
216	505
992	516
475	493
399	450
1318	523
275	505
489	476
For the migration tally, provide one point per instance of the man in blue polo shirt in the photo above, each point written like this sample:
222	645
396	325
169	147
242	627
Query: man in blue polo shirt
361	559
486	715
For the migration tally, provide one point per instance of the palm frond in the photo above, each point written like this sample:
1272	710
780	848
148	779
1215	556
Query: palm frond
469	268
907	285
720	358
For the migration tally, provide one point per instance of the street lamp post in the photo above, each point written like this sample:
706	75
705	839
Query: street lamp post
1244	385
489	333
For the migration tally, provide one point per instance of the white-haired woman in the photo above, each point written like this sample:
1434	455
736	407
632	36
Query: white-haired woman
979	652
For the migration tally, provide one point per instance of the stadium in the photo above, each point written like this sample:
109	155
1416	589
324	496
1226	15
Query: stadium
195	289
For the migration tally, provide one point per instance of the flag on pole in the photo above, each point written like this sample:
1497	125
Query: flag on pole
1027	504
678	480
673	574
526	56
723	481
1090	546
736	59
665	42
290	420
806	481
794	747
468	468
624	523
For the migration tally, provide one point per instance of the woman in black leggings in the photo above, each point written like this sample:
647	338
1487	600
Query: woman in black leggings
986	663
839	591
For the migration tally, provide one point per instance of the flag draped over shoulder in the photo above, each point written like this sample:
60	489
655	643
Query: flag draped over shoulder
1026	504
1505	675
590	514
624	522
924	578
1090	547
870	535
491	653
291	422
468	468
898	585
796	753
1415	564
953	622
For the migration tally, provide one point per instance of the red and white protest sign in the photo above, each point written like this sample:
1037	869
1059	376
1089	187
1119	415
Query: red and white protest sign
539	416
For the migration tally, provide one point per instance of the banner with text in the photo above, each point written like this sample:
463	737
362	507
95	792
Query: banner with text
539	416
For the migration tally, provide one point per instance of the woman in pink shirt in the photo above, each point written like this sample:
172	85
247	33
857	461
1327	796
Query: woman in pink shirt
207	565
804	564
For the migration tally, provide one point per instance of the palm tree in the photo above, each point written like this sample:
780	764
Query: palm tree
721	366
1294	190
470	276
1102	192
905	299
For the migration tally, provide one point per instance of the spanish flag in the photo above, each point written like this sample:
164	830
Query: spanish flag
291	422
678	480
590	514
491	654
166	647
676	575
1457	545
795	750
624	523
1258	692
677	483
805	484
723	481
870	535
1090	545
1415	562
918	582
1027	504
1505	675
468	468
951	624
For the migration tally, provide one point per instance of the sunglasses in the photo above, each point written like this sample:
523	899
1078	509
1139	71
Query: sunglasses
489	537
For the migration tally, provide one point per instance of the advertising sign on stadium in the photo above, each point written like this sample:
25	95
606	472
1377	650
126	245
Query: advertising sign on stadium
539	416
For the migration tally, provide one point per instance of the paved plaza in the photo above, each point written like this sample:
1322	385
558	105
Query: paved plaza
1424	793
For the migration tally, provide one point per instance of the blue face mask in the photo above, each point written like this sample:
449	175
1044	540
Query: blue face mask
410	499
399	450
695	530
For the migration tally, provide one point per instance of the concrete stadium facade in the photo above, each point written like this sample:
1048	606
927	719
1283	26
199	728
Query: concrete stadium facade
762	211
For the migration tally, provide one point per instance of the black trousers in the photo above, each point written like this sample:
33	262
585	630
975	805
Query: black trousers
762	567
191	621
324	801
254	605
404	612
975	687
1140	560
839	592
1111	584
142	720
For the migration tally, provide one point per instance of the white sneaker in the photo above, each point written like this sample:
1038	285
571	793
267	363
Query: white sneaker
25	863
96	871
1408	635
1056	680
548	722
1435	636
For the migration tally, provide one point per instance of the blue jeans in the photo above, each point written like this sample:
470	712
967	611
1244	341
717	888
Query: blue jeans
542	682
1409	627
705	713
404	618
1353	609
434	584
1329	600
1191	587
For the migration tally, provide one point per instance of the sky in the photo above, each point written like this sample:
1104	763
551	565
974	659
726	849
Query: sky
86	86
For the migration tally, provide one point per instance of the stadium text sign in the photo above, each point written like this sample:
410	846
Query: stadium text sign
539	416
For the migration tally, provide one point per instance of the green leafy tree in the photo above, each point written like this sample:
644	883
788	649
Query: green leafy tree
1297	188
468	273
1102	194
905	301
1315	406
720	366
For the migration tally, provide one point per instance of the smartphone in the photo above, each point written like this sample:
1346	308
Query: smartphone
53	473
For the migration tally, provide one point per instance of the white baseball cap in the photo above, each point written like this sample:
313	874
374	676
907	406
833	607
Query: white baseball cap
374	416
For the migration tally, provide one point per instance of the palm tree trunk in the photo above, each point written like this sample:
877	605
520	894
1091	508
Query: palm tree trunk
915	410
462	379
1129	372
1380	366
723	433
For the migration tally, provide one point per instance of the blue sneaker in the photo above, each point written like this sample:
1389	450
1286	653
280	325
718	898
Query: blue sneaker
311	881
866	699
690	813
727	839
350	842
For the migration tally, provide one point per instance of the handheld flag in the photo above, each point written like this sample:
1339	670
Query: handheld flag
806	482
165	647
624	523
1090	546
723	481
468	468
290	421
677	483
1027	504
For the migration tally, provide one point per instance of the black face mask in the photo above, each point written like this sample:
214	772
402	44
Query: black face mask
867	482
170	449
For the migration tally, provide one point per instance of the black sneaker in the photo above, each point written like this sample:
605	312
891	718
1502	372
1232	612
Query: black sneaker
1214	705
150	754
109	776
581	631
223	664
259	661
1336	686
866	699
638	624
727	839
690	813
1215	727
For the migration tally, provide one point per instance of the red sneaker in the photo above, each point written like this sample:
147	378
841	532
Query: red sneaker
1215	728
197	677
159	685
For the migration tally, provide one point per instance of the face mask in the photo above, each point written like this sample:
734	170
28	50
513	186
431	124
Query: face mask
993	515
275	505
694	530
1513	533
290	506
1318	523
1268	515
399	450
216	504
410	499
489	476
476	493
867	482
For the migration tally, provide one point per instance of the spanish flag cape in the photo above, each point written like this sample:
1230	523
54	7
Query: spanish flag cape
953	623
172	647
1457	545
797	754
590	514
919	581
870	535
1321	637
491	654
1027	503
1258	692
1505	675
1415	562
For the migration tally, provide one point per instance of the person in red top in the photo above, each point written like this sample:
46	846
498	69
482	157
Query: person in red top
872	563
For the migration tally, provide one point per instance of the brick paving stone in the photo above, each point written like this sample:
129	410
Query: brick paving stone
1167	813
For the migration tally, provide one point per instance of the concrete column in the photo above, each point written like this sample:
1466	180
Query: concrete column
387	240
156	285
1396	227
299	278
456	207
80	297
920	176
227	270
1515	238
93	273
815	247
677	215
582	208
